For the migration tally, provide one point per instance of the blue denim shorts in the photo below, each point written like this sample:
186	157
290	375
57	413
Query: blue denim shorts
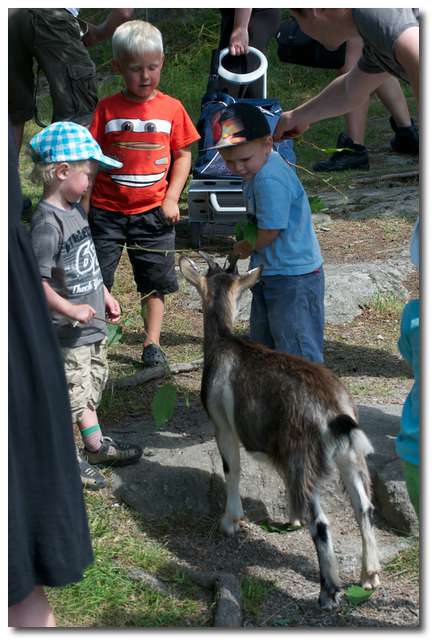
287	314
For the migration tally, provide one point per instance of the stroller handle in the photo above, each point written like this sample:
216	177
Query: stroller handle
245	78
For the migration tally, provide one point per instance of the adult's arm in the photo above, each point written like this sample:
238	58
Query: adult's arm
98	32
407	52
341	96
239	39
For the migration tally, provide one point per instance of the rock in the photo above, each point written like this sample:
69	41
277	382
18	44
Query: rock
348	287
382	424
392	499
228	602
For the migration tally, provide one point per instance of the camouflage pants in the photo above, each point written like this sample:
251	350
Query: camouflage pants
53	38
86	369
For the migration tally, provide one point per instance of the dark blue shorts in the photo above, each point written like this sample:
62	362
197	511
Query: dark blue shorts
146	236
287	314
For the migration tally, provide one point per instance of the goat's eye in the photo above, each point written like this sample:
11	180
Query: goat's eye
150	127
127	126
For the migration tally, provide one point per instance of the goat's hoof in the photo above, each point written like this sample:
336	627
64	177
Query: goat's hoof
230	526
370	581
329	600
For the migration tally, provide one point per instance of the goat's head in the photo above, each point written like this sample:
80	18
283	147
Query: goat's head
220	286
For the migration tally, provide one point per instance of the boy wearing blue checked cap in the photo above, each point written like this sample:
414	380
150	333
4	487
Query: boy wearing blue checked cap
66	158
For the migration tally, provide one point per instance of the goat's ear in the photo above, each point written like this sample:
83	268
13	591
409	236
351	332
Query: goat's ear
191	273
250	278
213	266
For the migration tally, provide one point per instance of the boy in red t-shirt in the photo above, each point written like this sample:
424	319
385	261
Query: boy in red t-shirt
137	206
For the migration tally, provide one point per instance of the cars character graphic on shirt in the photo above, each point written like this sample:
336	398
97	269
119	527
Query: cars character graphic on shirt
143	136
132	140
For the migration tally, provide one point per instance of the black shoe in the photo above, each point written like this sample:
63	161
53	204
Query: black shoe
352	156
153	356
91	478
406	139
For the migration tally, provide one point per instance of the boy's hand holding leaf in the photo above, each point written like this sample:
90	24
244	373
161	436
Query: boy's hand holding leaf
243	249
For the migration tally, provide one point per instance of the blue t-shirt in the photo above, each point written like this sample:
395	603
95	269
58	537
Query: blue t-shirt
276	200
407	443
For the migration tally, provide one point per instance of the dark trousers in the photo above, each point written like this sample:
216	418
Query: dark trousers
51	37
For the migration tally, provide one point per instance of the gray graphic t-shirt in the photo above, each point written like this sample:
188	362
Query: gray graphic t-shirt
380	28
66	257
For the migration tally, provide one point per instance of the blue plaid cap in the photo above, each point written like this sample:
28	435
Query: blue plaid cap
69	142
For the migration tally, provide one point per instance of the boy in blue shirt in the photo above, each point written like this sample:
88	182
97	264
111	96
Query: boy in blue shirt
287	312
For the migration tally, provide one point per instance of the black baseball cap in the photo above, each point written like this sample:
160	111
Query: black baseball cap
237	124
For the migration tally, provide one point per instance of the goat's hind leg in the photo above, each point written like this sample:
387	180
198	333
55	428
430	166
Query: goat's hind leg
229	449
355	476
320	532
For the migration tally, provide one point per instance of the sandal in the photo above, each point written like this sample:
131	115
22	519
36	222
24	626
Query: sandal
112	453
153	356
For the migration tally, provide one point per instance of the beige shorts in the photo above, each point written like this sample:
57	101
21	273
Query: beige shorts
86	369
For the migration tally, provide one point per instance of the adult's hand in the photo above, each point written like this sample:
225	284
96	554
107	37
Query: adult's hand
98	32
290	125
239	42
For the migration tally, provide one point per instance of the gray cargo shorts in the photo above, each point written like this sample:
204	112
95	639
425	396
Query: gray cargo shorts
53	38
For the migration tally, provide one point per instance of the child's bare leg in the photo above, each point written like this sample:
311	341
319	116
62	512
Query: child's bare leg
90	430
33	611
153	312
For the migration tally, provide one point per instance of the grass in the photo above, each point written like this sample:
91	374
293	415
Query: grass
255	592
108	597
406	563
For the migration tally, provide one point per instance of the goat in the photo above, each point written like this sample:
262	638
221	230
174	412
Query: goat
298	414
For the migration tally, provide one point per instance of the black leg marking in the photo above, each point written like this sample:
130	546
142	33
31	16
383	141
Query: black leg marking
225	465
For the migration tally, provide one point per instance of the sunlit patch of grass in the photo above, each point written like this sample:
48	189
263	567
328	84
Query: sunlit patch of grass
108	596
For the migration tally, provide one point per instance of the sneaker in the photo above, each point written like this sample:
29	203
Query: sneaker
352	156
91	478
406	139
112	453
153	356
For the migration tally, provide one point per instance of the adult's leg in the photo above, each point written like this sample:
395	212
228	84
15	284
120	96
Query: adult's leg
355	121
33	611
393	98
20	71
66	62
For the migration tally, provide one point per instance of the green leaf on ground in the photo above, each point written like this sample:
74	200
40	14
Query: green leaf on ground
278	527
114	334
163	404
357	595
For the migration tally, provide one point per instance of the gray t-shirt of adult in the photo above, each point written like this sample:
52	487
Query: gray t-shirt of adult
67	259
380	28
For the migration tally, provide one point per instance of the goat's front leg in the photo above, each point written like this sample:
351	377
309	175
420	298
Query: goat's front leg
229	450
329	578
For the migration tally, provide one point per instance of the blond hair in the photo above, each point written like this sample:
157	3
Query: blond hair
136	37
45	171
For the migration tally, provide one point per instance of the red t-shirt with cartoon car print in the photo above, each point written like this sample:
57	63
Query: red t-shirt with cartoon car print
142	136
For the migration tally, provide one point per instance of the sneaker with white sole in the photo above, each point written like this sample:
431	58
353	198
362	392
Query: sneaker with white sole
91	478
